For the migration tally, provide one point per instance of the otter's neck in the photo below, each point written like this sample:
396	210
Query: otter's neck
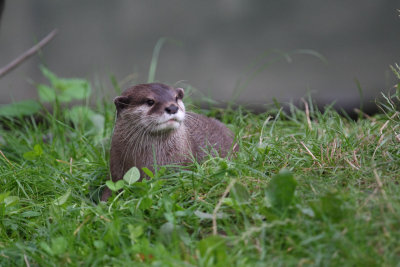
162	148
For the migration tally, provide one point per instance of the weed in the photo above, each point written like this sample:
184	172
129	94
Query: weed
306	188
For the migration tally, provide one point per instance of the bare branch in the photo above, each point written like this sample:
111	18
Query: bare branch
27	54
218	206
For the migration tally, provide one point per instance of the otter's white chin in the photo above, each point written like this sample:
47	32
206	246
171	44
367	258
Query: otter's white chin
168	122
168	125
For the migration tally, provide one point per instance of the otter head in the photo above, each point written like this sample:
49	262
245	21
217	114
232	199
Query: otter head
154	107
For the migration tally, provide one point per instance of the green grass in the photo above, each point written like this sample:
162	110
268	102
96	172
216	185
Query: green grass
336	202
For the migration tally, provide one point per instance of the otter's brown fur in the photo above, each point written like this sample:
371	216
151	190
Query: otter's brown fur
153	127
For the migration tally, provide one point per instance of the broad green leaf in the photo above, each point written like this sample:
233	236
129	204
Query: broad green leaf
62	199
119	184
161	171
98	122
111	185
166	232
240	193
280	190
132	175
208	216
79	89
213	250
263	148
38	150
228	201
30	213
135	232
3	196
329	206
79	114
46	94
99	244
65	89
169	216
169	233
46	248
308	211
35	153
182	213
73	88
145	203
223	164
11	200
115	186
59	245
30	155
148	172
63	98
49	75
21	108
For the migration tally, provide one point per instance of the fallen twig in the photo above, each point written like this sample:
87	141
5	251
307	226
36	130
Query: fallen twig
1	152
310	153
218	206
80	226
26	261
27	54
351	164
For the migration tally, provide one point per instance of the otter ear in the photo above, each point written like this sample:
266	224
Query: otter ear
121	102
180	92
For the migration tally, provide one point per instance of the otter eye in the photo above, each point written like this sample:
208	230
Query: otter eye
150	102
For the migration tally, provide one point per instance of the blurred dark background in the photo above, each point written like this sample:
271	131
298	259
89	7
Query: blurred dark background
218	41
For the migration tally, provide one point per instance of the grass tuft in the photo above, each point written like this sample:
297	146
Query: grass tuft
307	187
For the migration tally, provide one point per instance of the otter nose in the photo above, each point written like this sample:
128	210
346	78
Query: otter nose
172	109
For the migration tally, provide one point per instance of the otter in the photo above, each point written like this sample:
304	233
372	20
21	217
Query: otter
152	127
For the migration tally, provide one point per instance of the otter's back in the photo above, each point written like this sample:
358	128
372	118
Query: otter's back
207	135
